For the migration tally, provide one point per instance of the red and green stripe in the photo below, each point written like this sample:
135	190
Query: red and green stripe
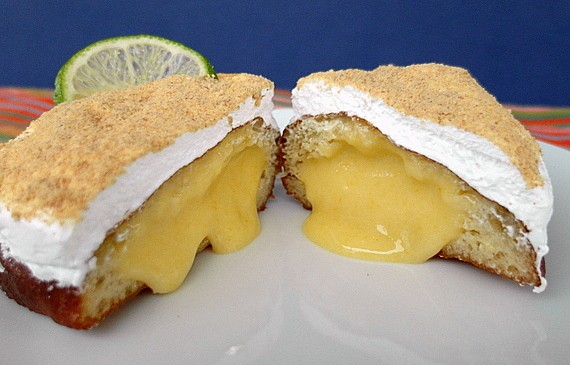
19	106
547	124
282	99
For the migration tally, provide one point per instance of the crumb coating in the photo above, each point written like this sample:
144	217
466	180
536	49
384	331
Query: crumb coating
449	96
76	150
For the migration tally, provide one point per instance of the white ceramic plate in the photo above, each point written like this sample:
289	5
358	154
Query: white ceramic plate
283	300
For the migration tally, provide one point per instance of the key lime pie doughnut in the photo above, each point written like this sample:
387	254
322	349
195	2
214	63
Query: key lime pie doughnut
405	163
107	195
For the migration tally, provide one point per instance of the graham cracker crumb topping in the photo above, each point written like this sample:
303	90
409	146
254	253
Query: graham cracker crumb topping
76	150
448	96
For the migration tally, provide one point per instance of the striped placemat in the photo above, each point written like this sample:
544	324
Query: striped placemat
282	98
547	124
19	106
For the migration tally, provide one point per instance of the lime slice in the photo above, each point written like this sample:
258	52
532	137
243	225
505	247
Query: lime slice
120	62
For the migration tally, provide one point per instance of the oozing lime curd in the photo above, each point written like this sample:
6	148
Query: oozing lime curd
374	201
214	197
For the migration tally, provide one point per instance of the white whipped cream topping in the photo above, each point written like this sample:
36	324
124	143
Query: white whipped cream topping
480	163
63	252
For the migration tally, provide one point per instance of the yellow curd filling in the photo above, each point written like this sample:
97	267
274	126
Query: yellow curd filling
372	200
213	198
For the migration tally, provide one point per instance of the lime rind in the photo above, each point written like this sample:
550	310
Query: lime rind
126	61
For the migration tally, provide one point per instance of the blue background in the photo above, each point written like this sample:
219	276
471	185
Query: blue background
518	50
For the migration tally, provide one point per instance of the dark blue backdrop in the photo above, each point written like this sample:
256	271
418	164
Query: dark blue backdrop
519	50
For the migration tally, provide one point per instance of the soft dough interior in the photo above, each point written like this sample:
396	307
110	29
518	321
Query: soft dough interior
373	200
158	245
394	207
213	201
